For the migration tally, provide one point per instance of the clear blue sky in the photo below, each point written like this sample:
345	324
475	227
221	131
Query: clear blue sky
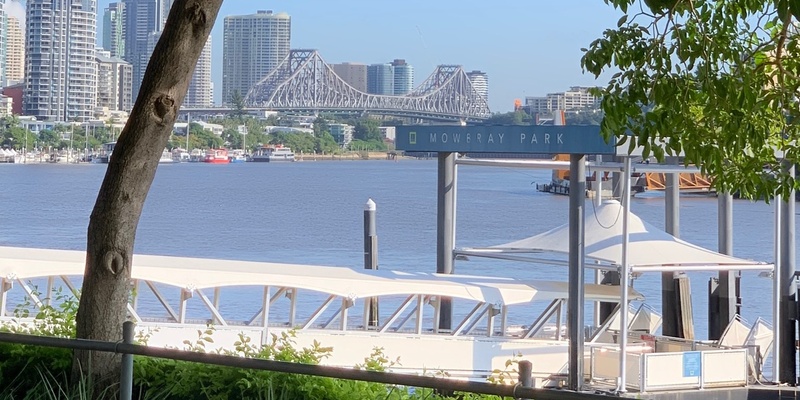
528	48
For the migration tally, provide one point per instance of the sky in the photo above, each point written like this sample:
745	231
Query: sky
527	47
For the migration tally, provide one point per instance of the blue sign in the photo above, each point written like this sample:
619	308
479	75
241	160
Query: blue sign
537	139
692	364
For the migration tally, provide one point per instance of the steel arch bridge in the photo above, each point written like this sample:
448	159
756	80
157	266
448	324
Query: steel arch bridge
303	82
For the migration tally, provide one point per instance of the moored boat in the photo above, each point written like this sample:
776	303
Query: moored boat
277	153
217	156
166	157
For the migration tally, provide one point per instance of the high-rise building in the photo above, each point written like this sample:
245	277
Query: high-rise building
199	93
3	42
380	79
113	32
354	74
15	51
480	82
114	82
576	98
60	64
142	18
403	77
253	46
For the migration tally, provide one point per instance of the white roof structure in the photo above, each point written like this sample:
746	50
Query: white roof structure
199	273
649	248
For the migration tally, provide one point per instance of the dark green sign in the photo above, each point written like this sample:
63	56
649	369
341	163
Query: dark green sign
538	139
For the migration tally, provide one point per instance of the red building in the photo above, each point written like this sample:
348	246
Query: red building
15	93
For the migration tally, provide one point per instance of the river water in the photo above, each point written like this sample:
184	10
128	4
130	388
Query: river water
312	213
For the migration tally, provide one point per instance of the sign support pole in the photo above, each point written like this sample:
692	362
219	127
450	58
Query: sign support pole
445	232
575	323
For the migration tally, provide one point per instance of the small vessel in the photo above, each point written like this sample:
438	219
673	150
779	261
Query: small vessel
197	155
273	154
217	156
105	153
180	155
237	156
166	157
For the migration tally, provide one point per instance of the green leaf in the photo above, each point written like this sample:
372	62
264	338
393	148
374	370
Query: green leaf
622	21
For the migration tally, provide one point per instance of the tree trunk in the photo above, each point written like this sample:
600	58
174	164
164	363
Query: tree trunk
112	226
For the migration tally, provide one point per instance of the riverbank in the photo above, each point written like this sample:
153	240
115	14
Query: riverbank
354	156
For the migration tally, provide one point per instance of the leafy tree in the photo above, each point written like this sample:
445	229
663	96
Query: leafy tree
366	129
716	80
326	144
320	126
116	213
237	103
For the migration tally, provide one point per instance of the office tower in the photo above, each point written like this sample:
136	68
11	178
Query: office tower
403	77
142	18
199	93
15	51
253	46
380	79
113	32
354	74
114	82
60	65
480	81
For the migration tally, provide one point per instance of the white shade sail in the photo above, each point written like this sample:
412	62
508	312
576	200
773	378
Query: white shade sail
650	249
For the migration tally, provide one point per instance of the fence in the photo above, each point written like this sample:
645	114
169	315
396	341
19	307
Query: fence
522	390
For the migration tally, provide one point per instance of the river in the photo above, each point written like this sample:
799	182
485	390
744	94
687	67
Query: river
312	213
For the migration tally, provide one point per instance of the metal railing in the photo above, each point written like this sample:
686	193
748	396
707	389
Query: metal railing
521	390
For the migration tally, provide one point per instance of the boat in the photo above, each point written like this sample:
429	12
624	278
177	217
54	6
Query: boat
197	155
237	156
277	153
217	156
180	155
105	153
166	157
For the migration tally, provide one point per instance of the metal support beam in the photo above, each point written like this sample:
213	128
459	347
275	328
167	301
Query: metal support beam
788	290
624	279
577	202
726	280
265	302
669	309
160	298
445	233
397	313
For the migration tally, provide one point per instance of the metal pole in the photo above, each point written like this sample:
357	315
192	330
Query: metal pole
624	277
669	308
525	374
444	228
727	279
776	295
577	203
371	255
788	289
126	374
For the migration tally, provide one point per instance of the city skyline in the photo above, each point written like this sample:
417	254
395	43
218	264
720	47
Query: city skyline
525	49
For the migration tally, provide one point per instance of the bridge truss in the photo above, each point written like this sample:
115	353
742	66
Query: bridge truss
303	82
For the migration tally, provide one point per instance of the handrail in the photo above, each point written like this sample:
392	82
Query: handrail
440	383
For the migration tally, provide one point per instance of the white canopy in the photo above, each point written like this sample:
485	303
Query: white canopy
649	249
201	273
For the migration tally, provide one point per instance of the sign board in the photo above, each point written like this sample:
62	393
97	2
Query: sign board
242	129
537	139
692	364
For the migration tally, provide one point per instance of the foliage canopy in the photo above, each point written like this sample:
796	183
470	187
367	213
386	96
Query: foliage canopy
716	80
